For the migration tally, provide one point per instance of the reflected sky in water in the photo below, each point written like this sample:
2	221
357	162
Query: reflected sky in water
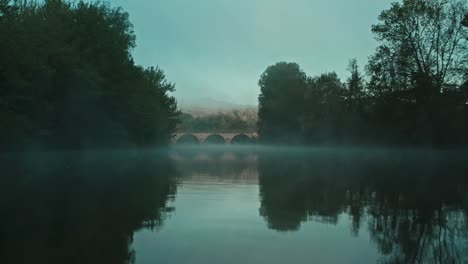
235	205
217	220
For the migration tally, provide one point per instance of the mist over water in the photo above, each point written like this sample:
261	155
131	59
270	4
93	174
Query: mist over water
104	159
235	204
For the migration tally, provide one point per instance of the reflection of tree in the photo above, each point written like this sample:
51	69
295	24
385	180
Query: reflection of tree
418	220
72	209
413	238
412	203
282	203
291	193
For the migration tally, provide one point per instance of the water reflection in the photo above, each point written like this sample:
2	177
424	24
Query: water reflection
213	152
80	207
412	202
253	204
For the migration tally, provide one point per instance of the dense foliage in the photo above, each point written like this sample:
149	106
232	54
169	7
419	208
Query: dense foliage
281	102
414	92
67	79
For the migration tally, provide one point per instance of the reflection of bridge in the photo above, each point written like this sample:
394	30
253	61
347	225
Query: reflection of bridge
214	137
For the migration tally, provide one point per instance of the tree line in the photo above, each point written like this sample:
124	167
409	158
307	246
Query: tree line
413	91
221	122
68	80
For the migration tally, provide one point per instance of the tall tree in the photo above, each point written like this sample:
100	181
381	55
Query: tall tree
355	82
281	102
324	107
67	78
423	47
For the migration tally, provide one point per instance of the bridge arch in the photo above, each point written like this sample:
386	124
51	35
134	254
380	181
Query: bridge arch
214	139
241	139
187	139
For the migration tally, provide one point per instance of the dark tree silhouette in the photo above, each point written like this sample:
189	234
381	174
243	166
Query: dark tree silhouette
415	91
67	79
281	103
355	83
424	42
324	108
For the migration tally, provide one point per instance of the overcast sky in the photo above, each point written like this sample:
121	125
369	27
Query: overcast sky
218	48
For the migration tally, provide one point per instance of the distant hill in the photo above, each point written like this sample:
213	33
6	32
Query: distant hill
211	106
216	115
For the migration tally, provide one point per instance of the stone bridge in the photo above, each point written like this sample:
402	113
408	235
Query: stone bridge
214	137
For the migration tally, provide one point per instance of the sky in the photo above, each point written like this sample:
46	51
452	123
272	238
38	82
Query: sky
218	49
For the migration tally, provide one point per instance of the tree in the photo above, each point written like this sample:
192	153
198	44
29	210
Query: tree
423	47
281	103
355	82
386	76
67	79
324	107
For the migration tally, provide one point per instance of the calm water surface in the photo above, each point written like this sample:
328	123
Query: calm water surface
235	205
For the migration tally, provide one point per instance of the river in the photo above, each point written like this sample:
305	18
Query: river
246	204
